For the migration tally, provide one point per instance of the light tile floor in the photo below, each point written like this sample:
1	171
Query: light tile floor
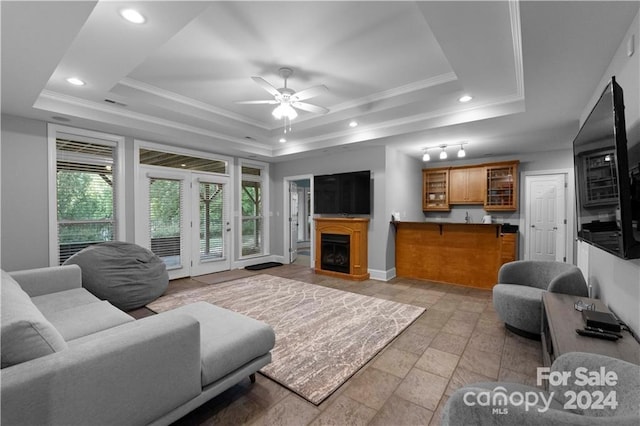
458	340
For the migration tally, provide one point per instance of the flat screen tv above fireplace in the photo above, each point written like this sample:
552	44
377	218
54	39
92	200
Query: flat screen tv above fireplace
343	193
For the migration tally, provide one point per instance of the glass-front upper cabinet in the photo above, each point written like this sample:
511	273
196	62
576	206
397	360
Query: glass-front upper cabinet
435	189
502	186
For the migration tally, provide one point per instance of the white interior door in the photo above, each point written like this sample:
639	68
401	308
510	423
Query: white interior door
293	221
545	222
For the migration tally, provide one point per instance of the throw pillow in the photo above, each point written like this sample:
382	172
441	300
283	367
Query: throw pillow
25	332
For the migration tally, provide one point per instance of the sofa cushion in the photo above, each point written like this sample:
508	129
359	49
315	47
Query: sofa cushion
26	333
54	302
228	339
83	320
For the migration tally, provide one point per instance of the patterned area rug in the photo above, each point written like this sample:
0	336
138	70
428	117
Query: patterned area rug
323	335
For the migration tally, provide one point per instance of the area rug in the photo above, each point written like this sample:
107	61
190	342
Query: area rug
323	335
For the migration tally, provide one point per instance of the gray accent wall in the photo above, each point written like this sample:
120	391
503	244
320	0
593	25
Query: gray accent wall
403	196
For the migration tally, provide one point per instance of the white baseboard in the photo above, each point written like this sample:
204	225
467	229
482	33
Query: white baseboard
378	275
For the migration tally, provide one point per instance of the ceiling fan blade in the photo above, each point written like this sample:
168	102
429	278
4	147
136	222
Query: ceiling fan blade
309	107
309	93
270	102
266	86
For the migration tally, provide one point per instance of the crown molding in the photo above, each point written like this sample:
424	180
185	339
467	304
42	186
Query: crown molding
185	100
516	38
391	93
58	100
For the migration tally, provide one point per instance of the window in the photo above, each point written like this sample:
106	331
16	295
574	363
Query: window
85	178
252	206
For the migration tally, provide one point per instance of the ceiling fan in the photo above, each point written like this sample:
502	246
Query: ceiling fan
288	99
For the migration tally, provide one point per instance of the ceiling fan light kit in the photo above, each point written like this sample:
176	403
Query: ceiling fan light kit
287	100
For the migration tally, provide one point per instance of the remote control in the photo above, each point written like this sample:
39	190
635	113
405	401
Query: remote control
618	335
596	334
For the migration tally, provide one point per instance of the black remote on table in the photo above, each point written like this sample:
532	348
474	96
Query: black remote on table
597	334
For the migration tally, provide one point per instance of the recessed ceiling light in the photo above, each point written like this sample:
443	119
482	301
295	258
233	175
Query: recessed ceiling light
353	123
133	16
75	81
464	98
282	140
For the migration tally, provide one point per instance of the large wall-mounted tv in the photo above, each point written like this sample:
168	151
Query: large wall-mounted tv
342	193
604	179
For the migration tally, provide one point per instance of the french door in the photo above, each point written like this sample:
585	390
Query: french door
183	217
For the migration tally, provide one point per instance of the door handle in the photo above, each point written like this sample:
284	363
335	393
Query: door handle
533	226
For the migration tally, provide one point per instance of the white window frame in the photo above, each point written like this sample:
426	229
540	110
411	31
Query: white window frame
264	180
55	131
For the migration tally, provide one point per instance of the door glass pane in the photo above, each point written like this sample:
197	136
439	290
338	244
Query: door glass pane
165	220
251	218
212	221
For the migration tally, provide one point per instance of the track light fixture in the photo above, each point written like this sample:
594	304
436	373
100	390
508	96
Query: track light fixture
443	153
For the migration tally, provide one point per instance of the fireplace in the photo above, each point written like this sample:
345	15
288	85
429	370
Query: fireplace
341	247
334	253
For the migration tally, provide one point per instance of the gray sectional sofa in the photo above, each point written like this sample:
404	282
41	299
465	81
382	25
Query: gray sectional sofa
69	358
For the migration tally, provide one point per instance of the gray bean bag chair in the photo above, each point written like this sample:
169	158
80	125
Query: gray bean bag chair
125	274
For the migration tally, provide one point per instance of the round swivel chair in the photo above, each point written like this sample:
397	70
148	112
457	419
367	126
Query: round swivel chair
517	298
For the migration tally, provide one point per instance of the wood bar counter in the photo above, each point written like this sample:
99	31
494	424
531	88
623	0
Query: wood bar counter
457	253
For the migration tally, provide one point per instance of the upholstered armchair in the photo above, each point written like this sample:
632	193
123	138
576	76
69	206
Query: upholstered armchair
500	403
517	298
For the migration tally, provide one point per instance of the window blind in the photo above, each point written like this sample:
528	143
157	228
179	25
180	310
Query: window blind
213	220
86	195
166	205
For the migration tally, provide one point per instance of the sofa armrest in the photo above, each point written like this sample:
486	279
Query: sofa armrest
130	374
36	282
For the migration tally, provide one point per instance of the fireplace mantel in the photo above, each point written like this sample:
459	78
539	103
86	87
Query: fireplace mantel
357	230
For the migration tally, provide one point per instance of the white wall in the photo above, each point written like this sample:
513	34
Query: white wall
617	281
25	229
